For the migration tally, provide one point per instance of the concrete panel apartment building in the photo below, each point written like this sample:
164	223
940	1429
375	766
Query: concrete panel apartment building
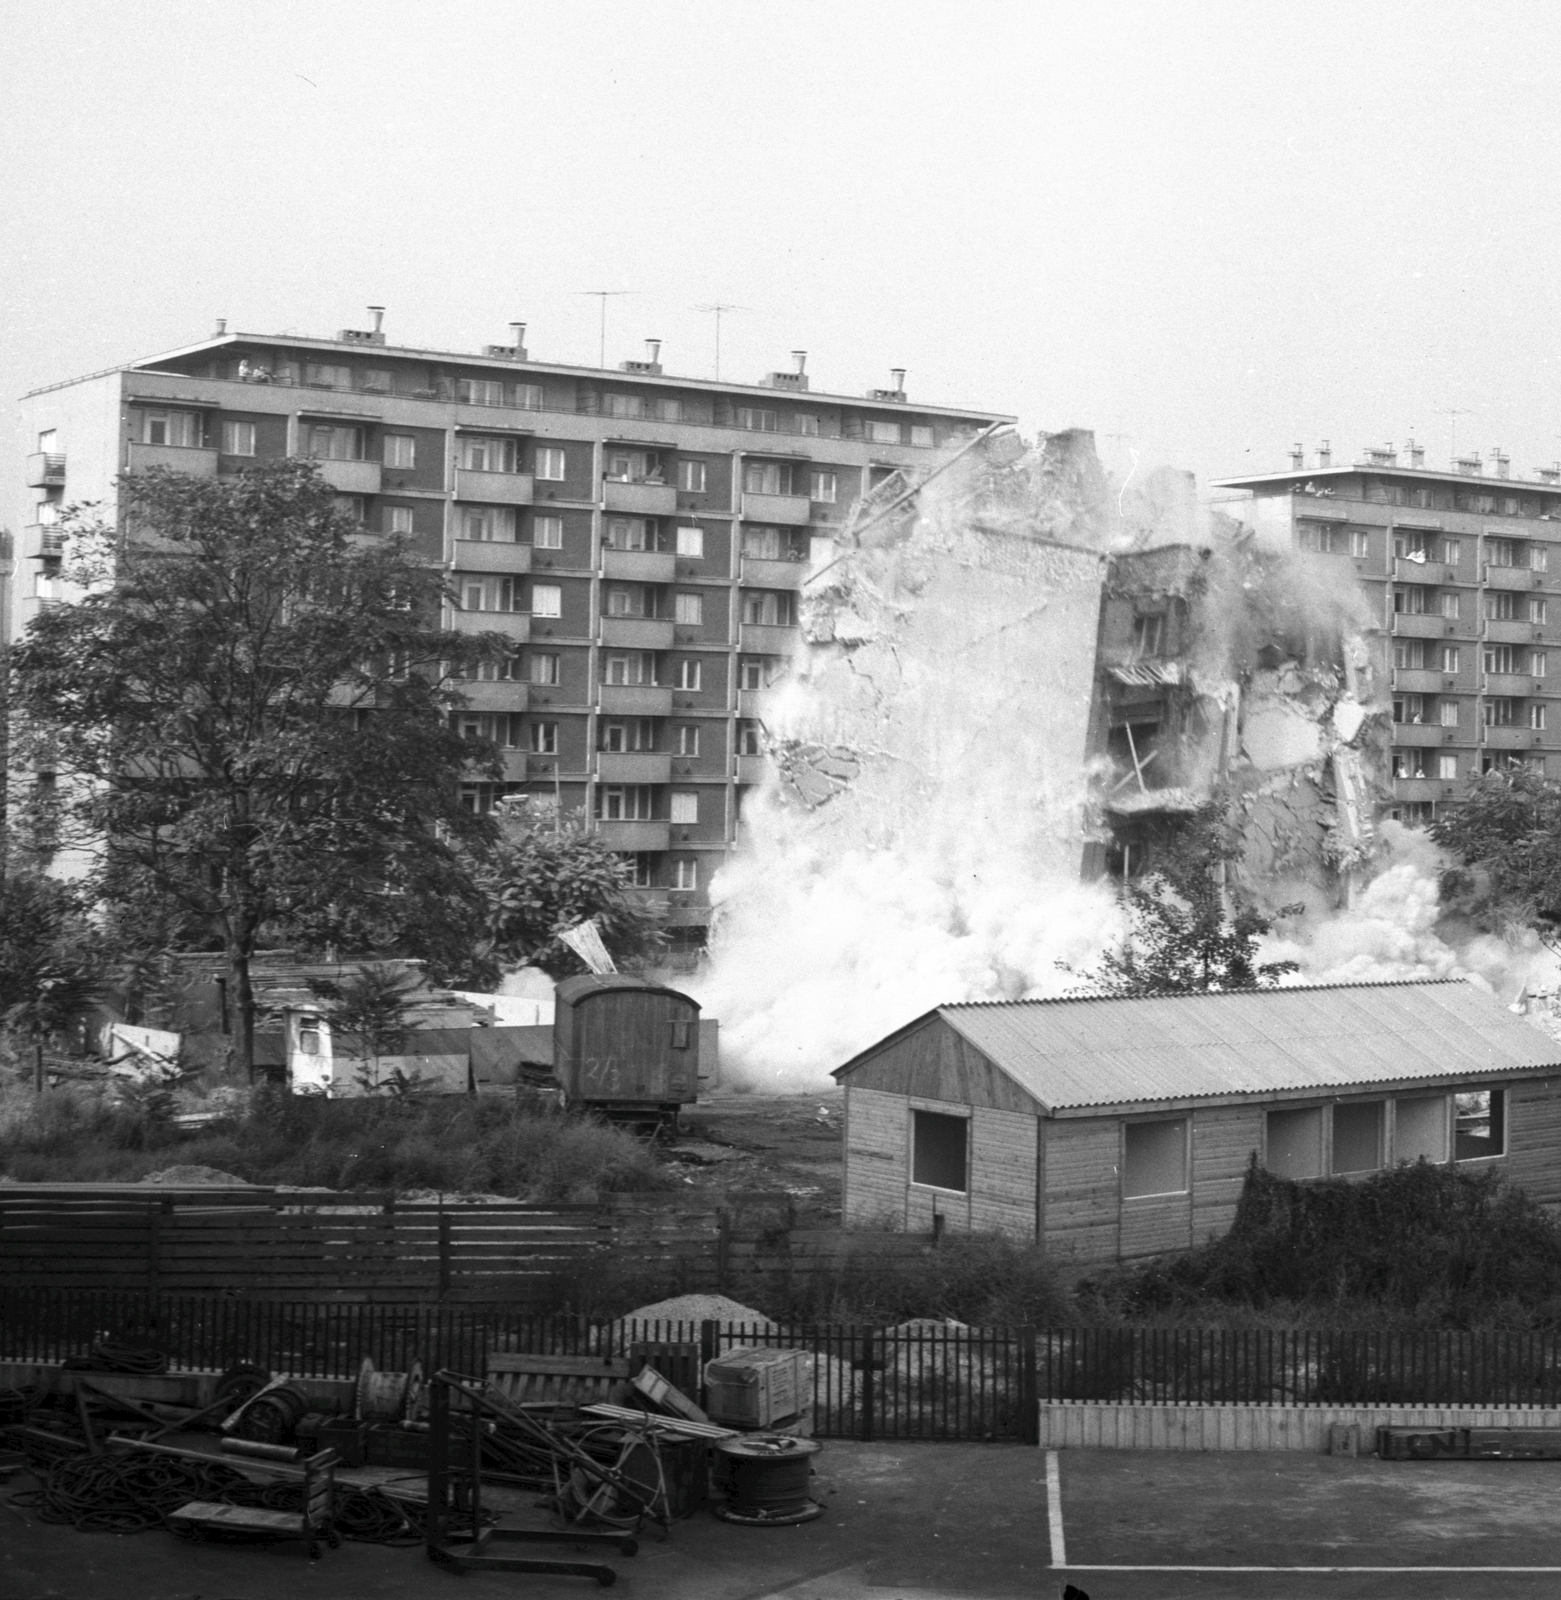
642	539
1463	569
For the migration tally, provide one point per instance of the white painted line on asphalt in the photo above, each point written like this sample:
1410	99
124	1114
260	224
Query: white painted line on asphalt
1054	1512
1078	1567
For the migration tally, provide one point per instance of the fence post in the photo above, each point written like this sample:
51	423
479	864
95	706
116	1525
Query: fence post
869	1385
723	1244
154	1245
1029	1399
444	1251
709	1337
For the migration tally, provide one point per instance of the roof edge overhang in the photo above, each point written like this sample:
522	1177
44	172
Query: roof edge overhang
878	1046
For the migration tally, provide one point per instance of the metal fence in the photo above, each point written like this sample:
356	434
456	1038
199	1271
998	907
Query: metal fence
920	1381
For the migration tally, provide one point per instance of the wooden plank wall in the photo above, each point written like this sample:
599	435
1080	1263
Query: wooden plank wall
877	1157
1082	1197
1223	1141
1534	1138
1003	1148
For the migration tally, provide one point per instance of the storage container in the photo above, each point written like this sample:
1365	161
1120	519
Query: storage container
755	1385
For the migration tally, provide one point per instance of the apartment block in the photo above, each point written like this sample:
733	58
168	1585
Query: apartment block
641	539
1461	569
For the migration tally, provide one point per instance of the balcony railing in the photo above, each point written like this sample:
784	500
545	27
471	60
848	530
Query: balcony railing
495	488
634	700
763	639
351	477
1511	631
195	462
1511	738
634	766
1416	625
1512	578
637	633
640	566
790	510
491	555
1421	734
494	696
1417	680
45	468
514	625
635	835
757	572
751	769
642	499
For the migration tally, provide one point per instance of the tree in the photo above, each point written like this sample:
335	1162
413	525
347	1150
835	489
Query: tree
53	963
1508	828
548	874
248	716
372	1004
1188	932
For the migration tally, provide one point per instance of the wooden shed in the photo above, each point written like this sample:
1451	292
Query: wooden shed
625	1045
1115	1128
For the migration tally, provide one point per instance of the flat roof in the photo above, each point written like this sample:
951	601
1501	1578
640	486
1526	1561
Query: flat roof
1354	469
1097	1051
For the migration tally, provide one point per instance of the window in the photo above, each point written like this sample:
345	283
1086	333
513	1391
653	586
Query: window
637	867
621	736
805	423
479	391
335	444
691	477
1539	558
1480	1124
1449	658
691	542
497	727
1502	658
542	665
689	675
487	593
547	600
1536	715
762	544
767	608
1360	542
1536	608
1320	538
547	533
685	873
629	600
767	477
1409	764
324	376
1420	1129
400	450
1447	713
1409	708
398	519
938	1146
180	428
757	421
688	739
1501	552
638	668
1537	661
634	804
752	675
543	739
750	741
1447	603
1500	607
1447	768
49	441
487	524
633	466
627	533
685	807
1357	1136
551	464
350	505
502	670
1452	551
238	438
1415	813
1500	713
1412	601
375	379
482	454
623	405
667	410
1154	1158
826	487
1409	653
883	432
689	609
1412	545
922	436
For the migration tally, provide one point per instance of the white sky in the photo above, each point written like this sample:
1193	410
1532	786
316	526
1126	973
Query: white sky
1212	227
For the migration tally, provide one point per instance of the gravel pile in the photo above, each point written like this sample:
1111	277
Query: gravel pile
692	1309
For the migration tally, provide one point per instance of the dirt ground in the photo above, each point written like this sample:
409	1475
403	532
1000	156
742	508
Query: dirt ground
750	1141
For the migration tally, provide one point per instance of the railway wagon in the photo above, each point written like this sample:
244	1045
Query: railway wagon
626	1047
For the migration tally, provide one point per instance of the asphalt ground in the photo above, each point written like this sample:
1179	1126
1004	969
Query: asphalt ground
952	1522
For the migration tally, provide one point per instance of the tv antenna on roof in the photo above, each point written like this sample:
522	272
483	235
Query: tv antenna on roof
604	295
717	308
1452	413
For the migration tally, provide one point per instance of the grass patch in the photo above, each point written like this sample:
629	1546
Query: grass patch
494	1146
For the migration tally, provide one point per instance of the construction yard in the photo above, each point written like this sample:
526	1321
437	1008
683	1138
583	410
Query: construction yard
790	1142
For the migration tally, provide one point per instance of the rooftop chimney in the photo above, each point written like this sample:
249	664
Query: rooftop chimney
897	375
222	328
1297	457
797	380
375	335
1551	474
1325	454
653	351
1469	466
1415	452
515	350
1503	462
801	358
652	362
517	334
378	314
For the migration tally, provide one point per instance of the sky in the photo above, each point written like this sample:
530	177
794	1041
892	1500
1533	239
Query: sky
1203	230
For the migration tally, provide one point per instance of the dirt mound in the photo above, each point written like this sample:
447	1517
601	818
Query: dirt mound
192	1176
692	1309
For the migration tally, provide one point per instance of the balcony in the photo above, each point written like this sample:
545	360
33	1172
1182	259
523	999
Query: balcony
1512	578
758	639
641	499
1420	734
494	696
45	469
637	633
491	555
634	700
1407	571
757	573
790	510
177	458
752	769
1422	789
350	477
520	765
1509	685
652	900
494	488
514	625
634	835
640	566
1414	680
633	766
1409	625
758	705
42	539
1511	738
1513	632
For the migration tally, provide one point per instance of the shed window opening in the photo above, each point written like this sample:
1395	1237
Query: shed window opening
1154	1160
1295	1143
938	1151
1357	1137
1480	1117
1420	1129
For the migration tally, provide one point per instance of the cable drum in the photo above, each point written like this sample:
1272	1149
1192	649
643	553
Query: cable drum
769	1478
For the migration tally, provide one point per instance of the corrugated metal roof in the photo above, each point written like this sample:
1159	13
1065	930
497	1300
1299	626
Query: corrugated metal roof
1107	1051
